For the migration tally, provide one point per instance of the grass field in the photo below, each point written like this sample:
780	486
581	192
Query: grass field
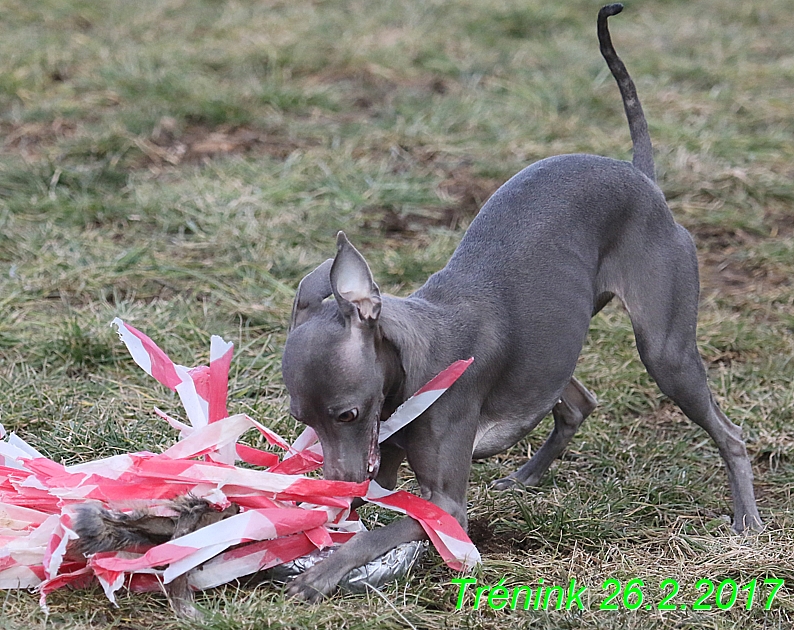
183	164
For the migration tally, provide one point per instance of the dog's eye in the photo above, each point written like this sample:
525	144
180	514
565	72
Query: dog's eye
348	416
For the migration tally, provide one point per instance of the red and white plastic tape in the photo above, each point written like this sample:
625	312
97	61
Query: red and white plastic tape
284	514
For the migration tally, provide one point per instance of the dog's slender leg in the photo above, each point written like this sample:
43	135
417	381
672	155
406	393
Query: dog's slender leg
576	403
431	446
391	456
663	311
439	452
683	379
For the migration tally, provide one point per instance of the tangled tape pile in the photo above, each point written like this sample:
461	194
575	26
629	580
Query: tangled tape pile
283	515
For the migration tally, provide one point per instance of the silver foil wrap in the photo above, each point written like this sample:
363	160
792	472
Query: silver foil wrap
380	571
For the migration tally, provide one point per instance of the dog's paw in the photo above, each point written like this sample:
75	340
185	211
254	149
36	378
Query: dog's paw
516	480
311	586
305	592
749	524
504	484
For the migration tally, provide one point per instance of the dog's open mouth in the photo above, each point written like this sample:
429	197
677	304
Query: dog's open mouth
373	459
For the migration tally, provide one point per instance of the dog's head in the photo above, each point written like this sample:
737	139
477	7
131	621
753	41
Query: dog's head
332	364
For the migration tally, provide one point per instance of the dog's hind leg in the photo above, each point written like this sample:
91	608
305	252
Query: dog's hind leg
662	300
576	403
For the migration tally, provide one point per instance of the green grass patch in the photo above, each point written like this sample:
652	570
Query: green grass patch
183	165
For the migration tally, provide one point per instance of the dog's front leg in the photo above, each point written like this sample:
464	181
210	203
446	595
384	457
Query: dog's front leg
440	456
322	578
439	447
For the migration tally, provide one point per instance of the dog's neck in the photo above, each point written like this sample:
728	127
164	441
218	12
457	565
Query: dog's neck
408	326
394	384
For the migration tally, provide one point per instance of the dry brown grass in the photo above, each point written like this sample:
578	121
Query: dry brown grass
182	165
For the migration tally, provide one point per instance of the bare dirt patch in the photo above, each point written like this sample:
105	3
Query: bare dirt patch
199	143
467	191
166	145
724	273
28	139
782	223
372	87
464	193
489	541
723	268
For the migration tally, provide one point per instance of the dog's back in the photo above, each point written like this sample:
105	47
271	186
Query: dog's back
547	251
561	211
551	247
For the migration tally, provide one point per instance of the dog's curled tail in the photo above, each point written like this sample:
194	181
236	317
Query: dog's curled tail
638	127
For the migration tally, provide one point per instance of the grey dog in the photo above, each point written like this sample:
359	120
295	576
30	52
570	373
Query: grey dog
547	251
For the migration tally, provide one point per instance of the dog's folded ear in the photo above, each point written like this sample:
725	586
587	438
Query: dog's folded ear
355	291
312	290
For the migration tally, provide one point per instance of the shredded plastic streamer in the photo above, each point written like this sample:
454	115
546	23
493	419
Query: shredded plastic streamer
283	515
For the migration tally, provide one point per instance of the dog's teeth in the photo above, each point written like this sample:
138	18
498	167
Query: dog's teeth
370	468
